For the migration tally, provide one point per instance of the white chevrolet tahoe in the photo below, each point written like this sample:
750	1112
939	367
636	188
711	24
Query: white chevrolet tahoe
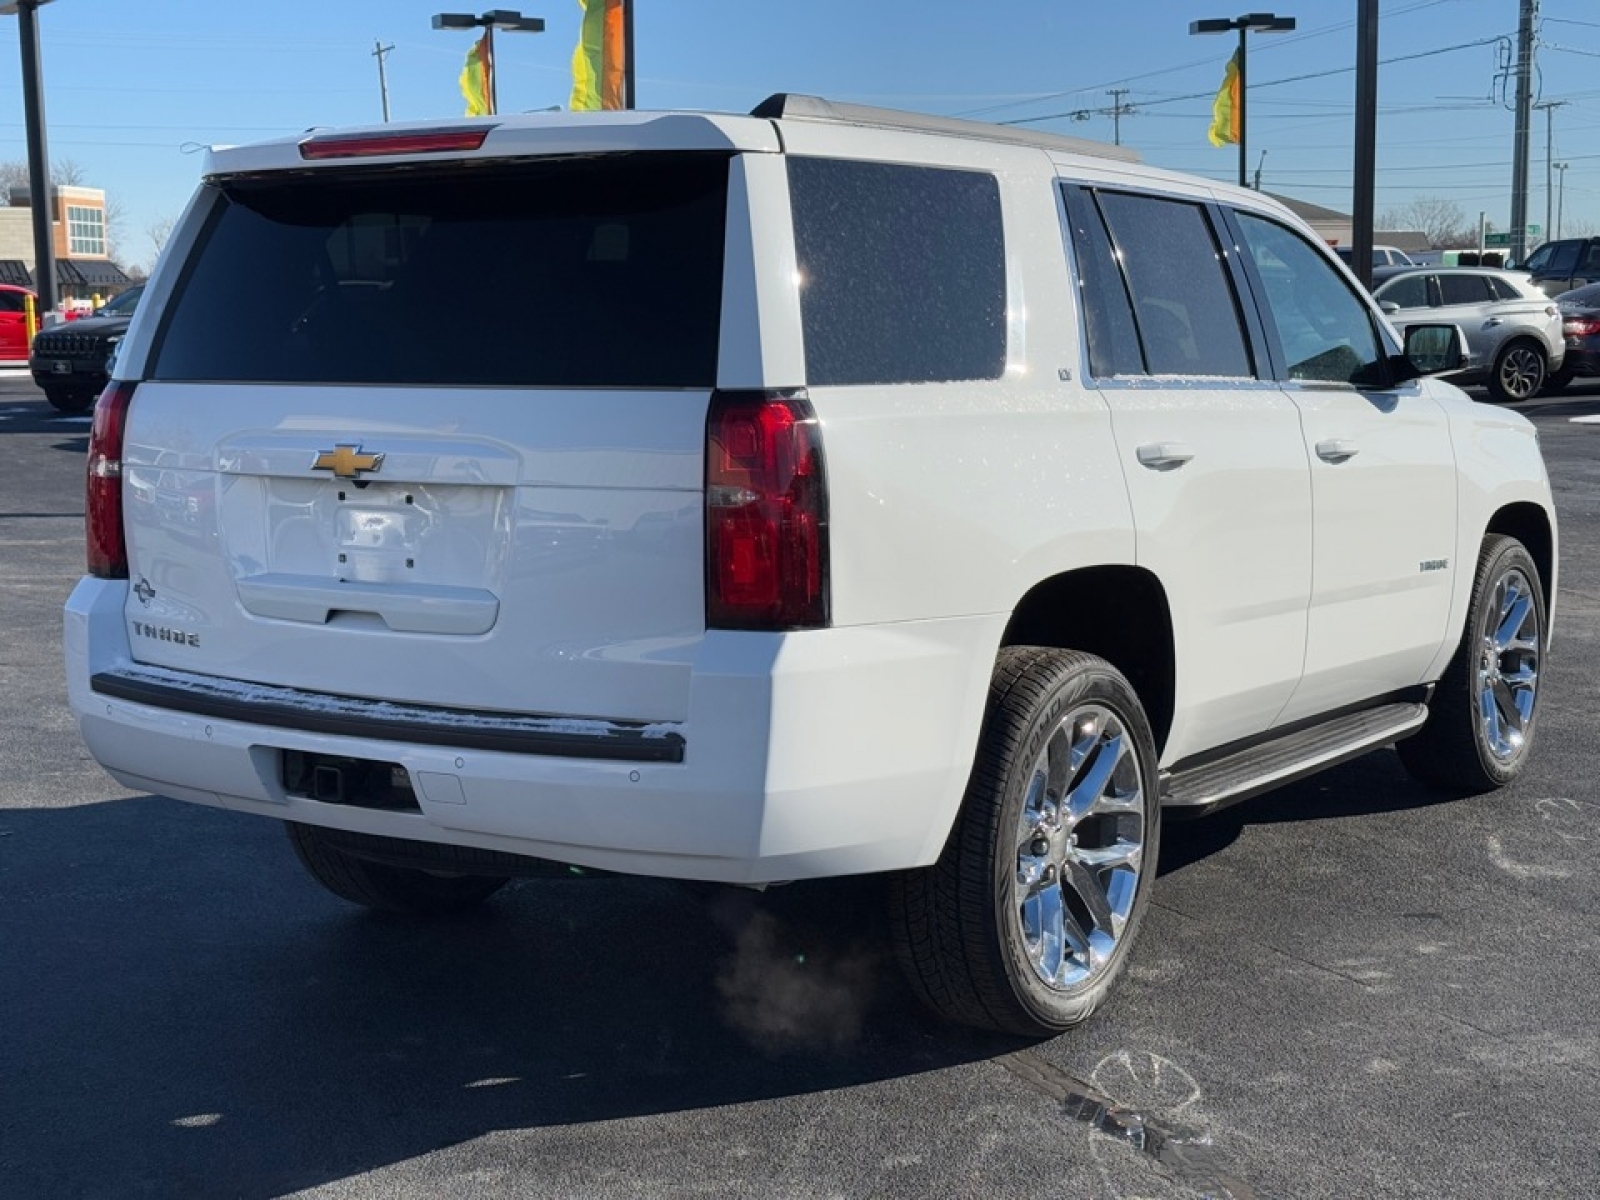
817	492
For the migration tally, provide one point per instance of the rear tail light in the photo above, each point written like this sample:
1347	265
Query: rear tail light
1580	326
107	544
404	141
766	513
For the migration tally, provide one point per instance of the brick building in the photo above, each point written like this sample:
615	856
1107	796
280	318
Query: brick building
84	269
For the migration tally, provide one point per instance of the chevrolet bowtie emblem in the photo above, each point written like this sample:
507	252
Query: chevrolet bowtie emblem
347	462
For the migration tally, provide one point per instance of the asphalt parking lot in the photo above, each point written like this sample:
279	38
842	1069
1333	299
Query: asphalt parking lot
1346	988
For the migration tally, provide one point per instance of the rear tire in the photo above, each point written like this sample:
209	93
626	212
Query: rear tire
63	400
1519	372
1484	711
1025	921
377	885
1556	382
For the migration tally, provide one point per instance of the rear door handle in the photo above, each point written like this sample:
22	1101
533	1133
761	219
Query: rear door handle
1337	450
1164	456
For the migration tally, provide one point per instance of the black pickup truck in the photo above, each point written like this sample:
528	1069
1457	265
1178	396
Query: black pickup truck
1562	265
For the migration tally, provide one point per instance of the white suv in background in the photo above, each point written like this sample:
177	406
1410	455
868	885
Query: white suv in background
816	492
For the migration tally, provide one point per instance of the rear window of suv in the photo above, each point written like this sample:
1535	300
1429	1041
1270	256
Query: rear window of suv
594	272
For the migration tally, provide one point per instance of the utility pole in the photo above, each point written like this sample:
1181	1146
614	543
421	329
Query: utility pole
1549	107
379	51
1519	153
44	249
1118	108
1363	198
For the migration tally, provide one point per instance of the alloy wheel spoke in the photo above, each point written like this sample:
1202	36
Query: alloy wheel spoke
1512	619
1091	786
1506	703
1121	853
1091	891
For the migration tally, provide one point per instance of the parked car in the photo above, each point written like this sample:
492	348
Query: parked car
772	536
1513	330
1580	325
68	361
1382	256
14	321
1564	265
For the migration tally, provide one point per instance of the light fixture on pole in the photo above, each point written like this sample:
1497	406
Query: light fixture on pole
1245	25
495	18
1561	192
44	251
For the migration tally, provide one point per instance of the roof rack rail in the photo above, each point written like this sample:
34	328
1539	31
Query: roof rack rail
791	106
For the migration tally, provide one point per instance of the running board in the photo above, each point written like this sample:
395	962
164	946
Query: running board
1245	773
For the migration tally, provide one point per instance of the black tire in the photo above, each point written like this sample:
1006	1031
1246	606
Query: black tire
960	926
1460	749
68	401
388	888
1519	371
1556	381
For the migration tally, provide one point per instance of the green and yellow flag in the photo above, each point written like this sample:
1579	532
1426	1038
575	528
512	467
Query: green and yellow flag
1225	108
476	78
597	63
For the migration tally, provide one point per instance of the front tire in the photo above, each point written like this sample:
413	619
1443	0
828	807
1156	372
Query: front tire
1025	921
1519	372
1480	730
67	401
387	888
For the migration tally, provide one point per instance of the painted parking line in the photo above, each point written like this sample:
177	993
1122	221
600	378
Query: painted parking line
1590	419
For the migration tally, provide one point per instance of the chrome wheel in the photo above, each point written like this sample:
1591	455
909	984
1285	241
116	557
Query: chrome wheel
1520	373
1508	665
1080	847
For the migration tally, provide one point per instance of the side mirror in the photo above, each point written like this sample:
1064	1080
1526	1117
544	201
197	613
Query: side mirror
1389	308
1430	350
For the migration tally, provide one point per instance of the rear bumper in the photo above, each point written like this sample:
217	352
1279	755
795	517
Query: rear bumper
828	752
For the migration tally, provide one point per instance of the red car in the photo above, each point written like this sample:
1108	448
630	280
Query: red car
14	322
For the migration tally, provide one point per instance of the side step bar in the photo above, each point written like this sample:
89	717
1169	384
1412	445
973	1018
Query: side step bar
1196	790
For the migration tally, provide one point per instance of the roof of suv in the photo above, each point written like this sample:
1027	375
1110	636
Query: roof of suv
558	133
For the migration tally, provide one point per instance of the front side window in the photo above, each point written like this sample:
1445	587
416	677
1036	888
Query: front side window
902	272
1188	319
1409	291
581	272
1562	259
1326	333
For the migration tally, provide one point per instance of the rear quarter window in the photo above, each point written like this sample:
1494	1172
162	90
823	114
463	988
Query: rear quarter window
592	272
902	272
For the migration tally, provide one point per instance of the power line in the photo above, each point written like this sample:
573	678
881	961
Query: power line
1280	82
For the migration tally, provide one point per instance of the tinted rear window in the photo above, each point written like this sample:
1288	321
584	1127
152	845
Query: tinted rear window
601	272
902	272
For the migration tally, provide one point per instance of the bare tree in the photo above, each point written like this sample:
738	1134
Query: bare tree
159	230
64	172
1442	220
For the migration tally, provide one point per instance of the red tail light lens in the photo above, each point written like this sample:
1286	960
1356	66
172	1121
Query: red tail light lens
107	544
766	513
1581	326
409	141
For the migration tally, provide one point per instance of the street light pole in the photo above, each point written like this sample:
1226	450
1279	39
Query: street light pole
1561	192
495	18
44	250
1250	22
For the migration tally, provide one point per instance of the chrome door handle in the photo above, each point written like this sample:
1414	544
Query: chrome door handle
1337	450
1164	456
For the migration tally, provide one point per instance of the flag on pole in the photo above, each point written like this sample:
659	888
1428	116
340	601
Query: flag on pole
1225	108
597	63
476	76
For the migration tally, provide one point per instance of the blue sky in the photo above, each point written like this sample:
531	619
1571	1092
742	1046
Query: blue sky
132	88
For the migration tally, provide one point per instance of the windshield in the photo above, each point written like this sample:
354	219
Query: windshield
121	306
